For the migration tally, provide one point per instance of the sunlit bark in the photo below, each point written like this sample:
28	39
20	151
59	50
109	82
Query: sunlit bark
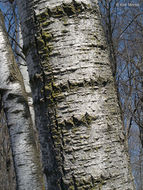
26	157
75	101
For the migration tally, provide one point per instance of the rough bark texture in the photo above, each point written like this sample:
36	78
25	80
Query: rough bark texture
76	107
24	150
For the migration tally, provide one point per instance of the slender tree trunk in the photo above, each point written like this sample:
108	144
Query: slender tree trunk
23	68
75	101
26	157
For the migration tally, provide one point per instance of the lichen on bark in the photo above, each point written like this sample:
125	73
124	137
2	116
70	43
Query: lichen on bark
75	101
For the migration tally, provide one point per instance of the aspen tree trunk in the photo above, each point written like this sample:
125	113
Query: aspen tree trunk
26	157
75	101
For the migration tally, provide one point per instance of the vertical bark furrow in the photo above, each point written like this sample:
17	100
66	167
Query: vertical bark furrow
78	101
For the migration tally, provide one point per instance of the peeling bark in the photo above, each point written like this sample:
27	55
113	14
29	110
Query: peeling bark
26	157
75	101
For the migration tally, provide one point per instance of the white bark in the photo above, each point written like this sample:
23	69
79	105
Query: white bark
24	71
25	154
75	100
